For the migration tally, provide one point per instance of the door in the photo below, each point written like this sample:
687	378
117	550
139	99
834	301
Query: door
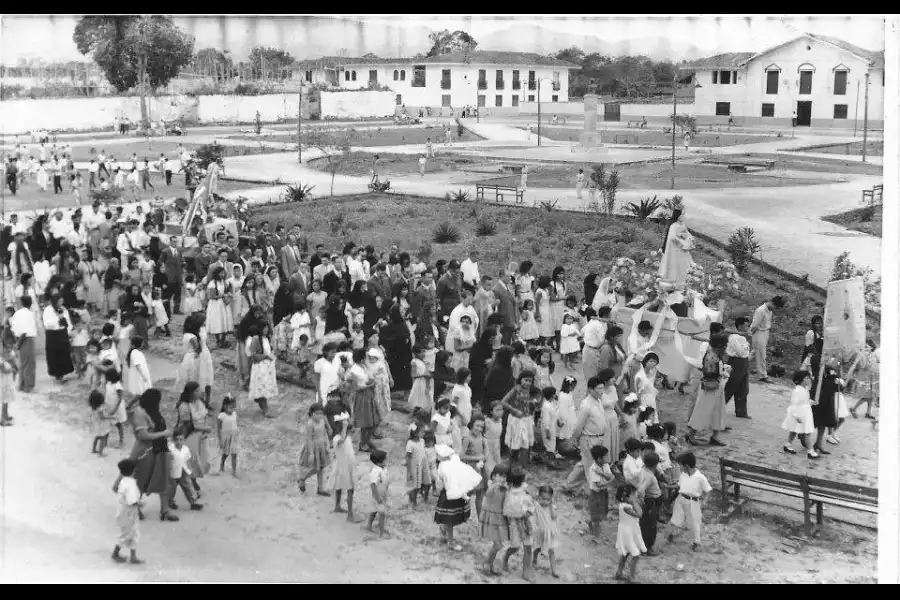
804	113
612	112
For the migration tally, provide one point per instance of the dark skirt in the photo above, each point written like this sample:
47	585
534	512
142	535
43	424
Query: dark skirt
152	470
598	505
365	411
451	512
59	353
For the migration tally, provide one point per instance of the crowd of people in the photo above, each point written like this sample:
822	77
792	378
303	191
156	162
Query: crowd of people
471	353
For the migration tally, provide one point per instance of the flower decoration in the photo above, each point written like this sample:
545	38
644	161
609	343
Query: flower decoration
723	281
624	273
695	279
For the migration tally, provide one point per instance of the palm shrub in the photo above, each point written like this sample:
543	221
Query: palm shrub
297	193
208	154
646	208
459	195
445	233
485	227
549	205
742	245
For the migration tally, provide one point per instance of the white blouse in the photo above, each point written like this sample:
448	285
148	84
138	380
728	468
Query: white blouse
52	319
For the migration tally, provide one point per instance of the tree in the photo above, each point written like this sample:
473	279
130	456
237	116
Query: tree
214	62
445	42
270	62
572	54
335	148
135	50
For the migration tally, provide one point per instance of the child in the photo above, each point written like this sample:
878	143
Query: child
493	430
115	403
546	530
645	418
528	327
650	495
599	479
190	303
357	336
9	370
129	501
418	472
422	162
628	538
869	369
568	344
379	481
494	526
160	316
334	407
92	364
442	423
301	355
799	418
474	454
567	414
99	422
79	337
518	508
314	456
461	398
630	417
693	488
550	421
429	356
180	471
423	383
227	432
633	464
342	475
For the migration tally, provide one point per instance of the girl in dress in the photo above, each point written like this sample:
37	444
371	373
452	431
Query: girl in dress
462	339
238	306
524	282
518	508
421	394
474	454
314	456
543	366
610	403
568	341
520	422
442	423
558	292
218	307
550	421
90	276
493	431
160	316
494	527
542	314
42	178
629	542
546	529
190	303
418	472
137	371
197	362
799	418
645	383
99	420
377	370
362	398
630	418
227	429
263	382
342	478
529	331
456	481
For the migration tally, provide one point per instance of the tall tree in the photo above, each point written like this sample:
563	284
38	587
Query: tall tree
270	62
213	61
445	42
135	51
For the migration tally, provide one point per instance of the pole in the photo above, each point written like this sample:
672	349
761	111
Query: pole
299	121
539	112
856	110
674	122
865	119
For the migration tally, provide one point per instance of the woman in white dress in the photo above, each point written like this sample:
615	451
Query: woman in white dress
90	278
543	314
238	306
645	385
679	242
136	370
263	382
558	291
218	312
197	362
709	410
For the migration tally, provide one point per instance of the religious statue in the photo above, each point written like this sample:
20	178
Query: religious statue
676	260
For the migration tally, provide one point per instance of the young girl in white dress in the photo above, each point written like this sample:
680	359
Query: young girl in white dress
422	393
197	362
42	178
567	414
568	340
263	382
160	316
137	371
629	542
190	303
546	530
543	311
218	312
645	384
528	327
799	418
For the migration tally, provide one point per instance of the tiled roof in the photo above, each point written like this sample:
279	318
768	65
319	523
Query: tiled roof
851	48
739	59
729	60
491	57
331	62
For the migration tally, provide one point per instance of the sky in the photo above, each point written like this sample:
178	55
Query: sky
311	36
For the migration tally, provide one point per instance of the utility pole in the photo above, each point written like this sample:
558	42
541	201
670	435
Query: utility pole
539	112
299	121
674	120
865	119
856	110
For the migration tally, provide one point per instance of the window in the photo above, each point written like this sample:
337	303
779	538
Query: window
723	109
840	83
373	76
806	82
515	100
516	85
715	77
402	75
734	77
725	77
531	97
346	75
396	75
399	100
418	76
482	79
772	82
499	81
532	80
768	110
554	98
445	100
482	101
555	81
309	76
498	100
840	111
445	79
353	75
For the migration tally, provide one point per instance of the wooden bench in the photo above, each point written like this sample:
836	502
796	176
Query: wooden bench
500	189
741	166
636	124
869	196
810	490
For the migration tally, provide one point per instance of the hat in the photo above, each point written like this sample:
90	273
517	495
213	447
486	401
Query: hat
443	451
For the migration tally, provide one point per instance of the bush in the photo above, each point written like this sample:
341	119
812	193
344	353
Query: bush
459	195
742	245
460	130
518	226
445	233
297	193
246	89
209	154
549	205
110	196
645	209
485	227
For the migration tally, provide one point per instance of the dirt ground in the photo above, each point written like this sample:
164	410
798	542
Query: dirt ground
260	528
875	148
867	220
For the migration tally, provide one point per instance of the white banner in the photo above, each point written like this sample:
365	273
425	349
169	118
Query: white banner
845	316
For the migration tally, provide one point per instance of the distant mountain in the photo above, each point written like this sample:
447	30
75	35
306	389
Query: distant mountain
326	36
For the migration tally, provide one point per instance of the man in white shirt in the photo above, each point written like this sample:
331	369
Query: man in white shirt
16	226
358	266
180	471
92	220
125	244
323	268
101	164
738	356
464	308
759	329
59	227
469	267
93	170
141	237
326	370
594	336
24	328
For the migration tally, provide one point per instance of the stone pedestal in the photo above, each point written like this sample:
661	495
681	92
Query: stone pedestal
589	138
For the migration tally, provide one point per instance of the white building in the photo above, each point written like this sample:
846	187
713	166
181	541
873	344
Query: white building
821	79
496	81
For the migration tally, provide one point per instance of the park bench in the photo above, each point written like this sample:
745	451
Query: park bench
873	196
810	490
636	124
741	165
500	189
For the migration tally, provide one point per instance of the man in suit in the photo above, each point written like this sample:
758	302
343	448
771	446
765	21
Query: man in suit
245	258
338	273
171	257
380	283
506	306
299	280
290	257
448	289
263	234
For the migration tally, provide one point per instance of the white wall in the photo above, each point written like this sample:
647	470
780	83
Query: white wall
357	105
230	109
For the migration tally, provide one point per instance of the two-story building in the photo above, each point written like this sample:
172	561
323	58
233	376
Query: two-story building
497	81
821	80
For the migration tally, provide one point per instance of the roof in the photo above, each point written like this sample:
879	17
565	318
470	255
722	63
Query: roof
492	57
740	59
331	62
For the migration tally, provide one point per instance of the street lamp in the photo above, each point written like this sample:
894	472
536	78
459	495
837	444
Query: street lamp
539	105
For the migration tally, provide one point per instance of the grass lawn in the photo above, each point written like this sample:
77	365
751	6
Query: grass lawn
382	136
655	137
873	148
572	240
865	220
